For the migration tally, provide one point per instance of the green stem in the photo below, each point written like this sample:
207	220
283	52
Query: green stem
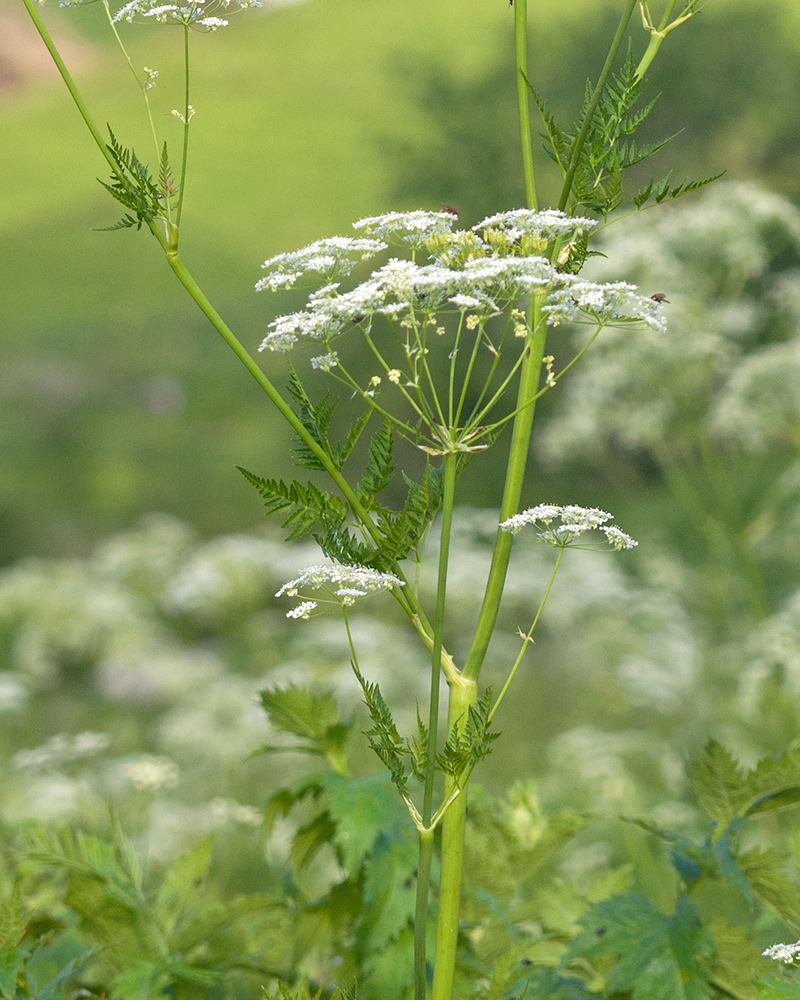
527	637
520	442
655	42
523	99
425	843
186	119
463	694
421	914
598	93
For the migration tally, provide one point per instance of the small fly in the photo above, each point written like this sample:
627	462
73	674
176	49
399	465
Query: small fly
659	297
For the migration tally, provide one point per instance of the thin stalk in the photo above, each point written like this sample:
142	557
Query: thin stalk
656	40
425	843
186	118
527	637
523	99
520	442
142	87
598	93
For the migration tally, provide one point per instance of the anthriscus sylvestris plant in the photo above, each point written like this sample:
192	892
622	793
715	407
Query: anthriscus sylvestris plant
456	324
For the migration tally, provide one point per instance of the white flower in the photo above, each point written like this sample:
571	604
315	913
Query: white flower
414	227
524	229
61	749
332	257
149	773
343	583
786	953
195	12
324	362
611	304
574	523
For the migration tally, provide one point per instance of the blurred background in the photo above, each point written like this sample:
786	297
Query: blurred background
136	594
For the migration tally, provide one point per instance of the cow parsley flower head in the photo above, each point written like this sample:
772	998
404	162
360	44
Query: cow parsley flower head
413	228
525	231
61	750
196	13
329	258
343	585
612	304
563	526
786	953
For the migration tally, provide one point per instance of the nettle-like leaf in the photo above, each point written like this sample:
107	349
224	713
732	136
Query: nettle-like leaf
467	745
727	793
313	718
657	957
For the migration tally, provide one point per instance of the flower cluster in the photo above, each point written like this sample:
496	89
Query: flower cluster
343	583
150	773
331	258
196	13
60	750
525	231
611	304
481	273
786	953
574	523
413	228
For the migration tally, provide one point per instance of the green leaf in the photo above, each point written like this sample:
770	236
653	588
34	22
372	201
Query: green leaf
658	957
180	888
310	839
719	784
12	962
384	739
466	746
389	892
300	712
737	961
379	471
767	873
363	809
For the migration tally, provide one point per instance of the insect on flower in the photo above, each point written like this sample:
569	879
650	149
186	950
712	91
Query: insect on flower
659	297
449	209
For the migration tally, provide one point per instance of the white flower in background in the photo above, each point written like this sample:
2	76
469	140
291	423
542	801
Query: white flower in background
150	773
786	953
575	522
197	13
611	304
329	258
345	584
229	811
13	693
61	750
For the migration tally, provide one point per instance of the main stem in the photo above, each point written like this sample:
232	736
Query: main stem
426	836
523	99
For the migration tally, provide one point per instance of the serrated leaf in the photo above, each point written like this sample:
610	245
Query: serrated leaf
179	890
363	809
658	957
12	962
389	892
719	784
768	875
310	839
380	469
299	711
737	961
